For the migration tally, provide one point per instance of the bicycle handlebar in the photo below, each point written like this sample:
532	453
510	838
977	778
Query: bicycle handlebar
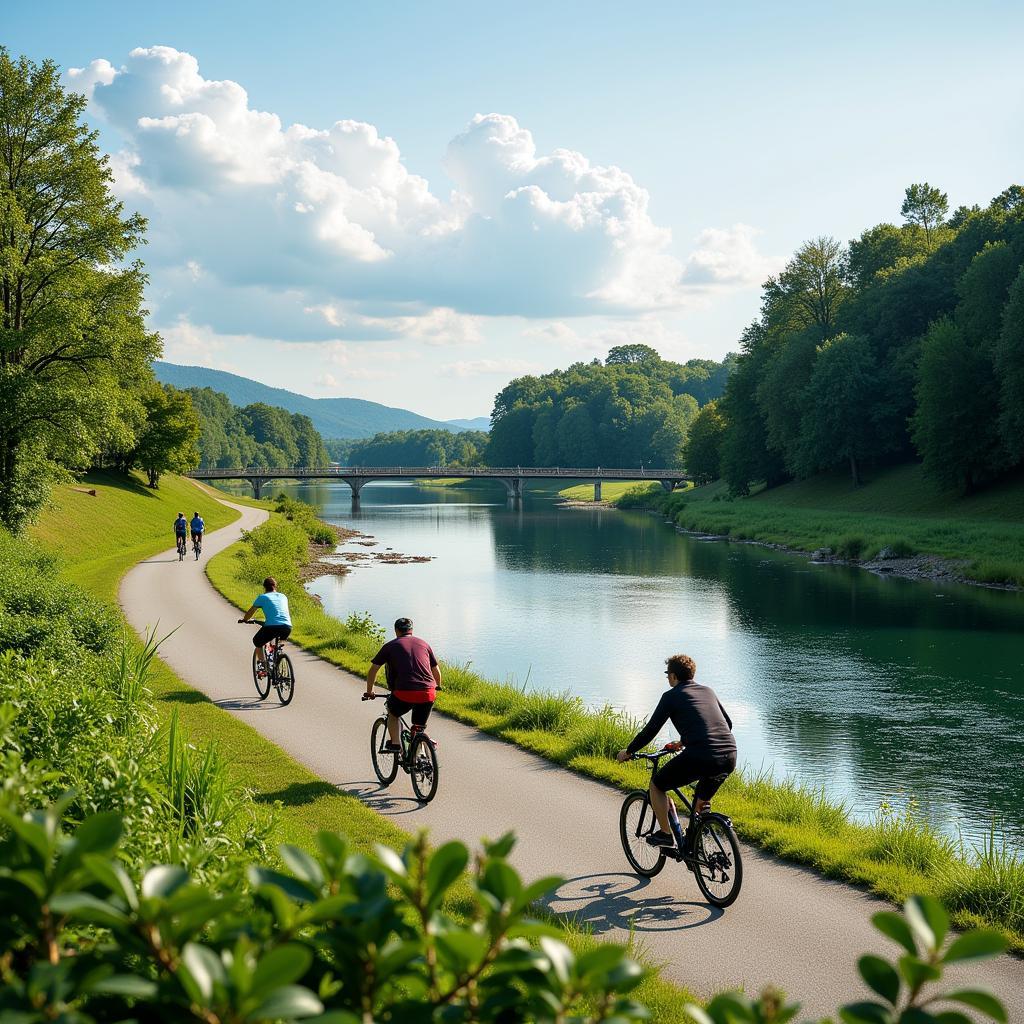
669	748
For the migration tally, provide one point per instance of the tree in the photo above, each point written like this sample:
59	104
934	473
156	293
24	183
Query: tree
954	424
1010	200
811	287
925	207
74	351
1009	362
838	423
702	456
627	355
982	292
168	442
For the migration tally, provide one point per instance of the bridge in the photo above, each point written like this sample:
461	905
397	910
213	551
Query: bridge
513	477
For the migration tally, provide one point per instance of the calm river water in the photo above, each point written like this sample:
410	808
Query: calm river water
877	689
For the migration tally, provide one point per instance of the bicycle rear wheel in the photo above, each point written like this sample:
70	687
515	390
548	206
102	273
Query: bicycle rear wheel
262	682
717	862
385	763
636	823
284	678
424	768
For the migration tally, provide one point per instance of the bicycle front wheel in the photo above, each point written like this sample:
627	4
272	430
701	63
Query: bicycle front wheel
262	681
424	768
636	823
716	860
385	763
284	678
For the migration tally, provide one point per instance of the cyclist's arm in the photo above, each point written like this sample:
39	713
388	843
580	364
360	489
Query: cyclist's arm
436	673
725	713
371	677
651	729
249	614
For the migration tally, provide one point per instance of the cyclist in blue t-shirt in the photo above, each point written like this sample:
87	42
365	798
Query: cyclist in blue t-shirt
180	530
197	527
277	620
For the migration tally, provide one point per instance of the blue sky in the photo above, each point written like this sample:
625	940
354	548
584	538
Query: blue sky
649	166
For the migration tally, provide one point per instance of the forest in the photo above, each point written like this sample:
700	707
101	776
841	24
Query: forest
905	344
256	435
633	409
412	448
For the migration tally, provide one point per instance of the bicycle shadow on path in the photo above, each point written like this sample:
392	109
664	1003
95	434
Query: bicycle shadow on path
248	704
380	799
611	901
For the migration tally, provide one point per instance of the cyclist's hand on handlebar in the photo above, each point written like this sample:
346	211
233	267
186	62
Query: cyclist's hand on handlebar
369	696
623	755
241	622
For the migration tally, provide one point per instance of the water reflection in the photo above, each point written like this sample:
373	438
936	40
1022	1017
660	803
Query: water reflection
875	688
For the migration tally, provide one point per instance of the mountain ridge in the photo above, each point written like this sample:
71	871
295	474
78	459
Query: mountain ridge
334	418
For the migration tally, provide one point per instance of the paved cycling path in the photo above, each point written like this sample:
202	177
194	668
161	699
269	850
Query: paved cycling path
789	927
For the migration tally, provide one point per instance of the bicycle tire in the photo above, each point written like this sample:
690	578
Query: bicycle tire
181	552
424	769
646	860
385	766
284	679
262	684
717	852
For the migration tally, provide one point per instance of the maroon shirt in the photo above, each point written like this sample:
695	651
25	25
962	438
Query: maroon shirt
409	661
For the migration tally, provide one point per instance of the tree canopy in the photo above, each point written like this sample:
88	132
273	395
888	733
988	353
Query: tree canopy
634	409
415	448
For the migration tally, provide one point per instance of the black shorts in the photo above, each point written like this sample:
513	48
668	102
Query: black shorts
196	536
267	633
420	710
708	772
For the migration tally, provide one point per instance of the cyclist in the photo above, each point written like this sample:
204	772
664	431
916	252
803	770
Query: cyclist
180	530
197	527
705	729
413	678
277	620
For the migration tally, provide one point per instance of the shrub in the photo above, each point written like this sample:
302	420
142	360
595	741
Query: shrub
364	624
851	546
548	712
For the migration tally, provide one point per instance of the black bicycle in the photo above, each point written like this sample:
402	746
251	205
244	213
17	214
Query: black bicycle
708	846
278	673
181	547
417	757
197	545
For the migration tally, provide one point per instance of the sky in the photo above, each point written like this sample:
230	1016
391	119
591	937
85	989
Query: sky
415	202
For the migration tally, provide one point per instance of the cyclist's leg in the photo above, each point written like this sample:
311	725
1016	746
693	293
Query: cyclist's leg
396	708
262	636
420	713
683	769
710	782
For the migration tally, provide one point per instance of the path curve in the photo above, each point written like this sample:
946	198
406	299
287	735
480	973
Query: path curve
790	927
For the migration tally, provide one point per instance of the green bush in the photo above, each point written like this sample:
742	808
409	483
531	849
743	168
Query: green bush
851	546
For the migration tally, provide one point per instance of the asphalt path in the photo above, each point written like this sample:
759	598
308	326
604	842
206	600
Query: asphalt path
790	927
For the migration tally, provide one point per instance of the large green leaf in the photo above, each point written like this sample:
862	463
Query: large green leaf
975	945
446	865
916	972
163	880
865	1013
302	865
560	957
984	1002
113	876
894	925
880	976
99	833
292	1001
205	968
83	906
281	966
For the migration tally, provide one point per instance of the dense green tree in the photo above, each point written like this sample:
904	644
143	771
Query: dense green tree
419	448
703	454
880	248
810	289
982	293
74	350
780	395
838	422
630	355
168	442
954	423
1010	200
925	207
1009	363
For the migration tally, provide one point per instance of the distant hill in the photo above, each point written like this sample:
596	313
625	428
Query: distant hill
332	417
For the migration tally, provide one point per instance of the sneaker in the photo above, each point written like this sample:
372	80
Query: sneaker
392	748
660	838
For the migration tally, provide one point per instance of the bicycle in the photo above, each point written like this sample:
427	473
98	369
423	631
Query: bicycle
197	546
708	847
417	757
279	672
181	547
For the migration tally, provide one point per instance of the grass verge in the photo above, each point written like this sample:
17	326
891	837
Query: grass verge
97	538
982	534
895	856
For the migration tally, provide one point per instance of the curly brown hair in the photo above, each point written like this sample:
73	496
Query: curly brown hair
682	666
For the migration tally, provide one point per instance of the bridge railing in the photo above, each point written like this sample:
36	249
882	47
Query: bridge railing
590	472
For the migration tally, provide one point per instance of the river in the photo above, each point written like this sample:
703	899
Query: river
877	689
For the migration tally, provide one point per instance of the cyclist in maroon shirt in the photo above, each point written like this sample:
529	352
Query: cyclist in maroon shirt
413	678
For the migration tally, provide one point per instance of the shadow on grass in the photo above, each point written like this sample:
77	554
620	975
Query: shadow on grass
185	697
296	794
122	481
606	902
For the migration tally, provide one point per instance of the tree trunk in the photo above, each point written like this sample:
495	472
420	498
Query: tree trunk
854	471
154	477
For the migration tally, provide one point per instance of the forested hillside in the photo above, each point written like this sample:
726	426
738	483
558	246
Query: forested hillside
414	448
256	435
635	408
906	344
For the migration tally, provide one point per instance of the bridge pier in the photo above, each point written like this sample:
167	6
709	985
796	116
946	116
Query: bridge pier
597	490
670	485
357	483
514	486
257	486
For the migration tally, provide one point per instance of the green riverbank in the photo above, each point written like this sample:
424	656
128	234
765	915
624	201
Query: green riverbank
977	538
893	855
96	538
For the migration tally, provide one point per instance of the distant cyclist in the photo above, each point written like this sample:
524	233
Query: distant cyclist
197	527
277	620
705	729
413	678
180	530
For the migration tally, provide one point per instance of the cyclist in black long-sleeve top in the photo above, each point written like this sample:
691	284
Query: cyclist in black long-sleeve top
706	731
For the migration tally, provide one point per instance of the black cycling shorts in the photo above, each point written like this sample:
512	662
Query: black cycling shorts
420	710
267	633
708	772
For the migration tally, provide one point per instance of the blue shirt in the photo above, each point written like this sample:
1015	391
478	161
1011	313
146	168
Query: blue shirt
180	526
197	524
275	608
